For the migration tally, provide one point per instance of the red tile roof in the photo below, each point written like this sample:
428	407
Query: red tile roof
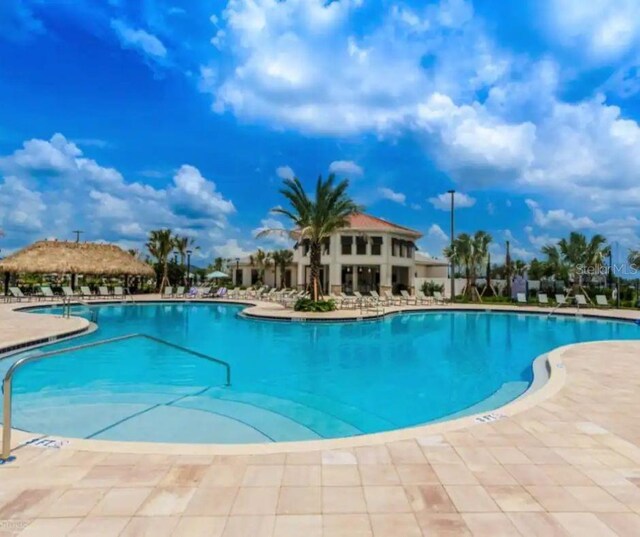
363	221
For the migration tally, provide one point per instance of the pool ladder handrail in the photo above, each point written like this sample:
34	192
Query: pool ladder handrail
68	302
7	383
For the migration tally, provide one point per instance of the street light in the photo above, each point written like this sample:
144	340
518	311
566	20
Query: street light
189	268
451	259
238	283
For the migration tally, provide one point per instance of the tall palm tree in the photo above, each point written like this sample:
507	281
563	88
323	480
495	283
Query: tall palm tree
160	244
281	260
182	245
315	219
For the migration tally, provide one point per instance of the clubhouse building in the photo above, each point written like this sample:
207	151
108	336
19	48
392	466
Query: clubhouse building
370	254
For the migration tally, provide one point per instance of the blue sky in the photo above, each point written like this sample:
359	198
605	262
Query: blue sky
120	117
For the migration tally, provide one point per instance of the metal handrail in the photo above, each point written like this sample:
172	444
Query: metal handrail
7	383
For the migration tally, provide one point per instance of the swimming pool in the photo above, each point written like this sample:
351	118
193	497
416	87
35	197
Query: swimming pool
290	380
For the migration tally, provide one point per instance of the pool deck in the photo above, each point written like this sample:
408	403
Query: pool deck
563	461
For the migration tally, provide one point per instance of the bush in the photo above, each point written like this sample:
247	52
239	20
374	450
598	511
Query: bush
428	288
321	306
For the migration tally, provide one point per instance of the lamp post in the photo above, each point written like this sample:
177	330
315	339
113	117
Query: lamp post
453	282
189	268
238	284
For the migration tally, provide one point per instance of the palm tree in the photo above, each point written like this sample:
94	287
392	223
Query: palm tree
261	260
160	245
183	245
315	219
470	252
281	260
578	254
218	264
634	259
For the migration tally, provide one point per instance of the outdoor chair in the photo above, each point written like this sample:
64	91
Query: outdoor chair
521	299
543	299
179	291
46	292
167	292
421	298
85	292
103	292
407	298
561	300
438	298
392	299
17	293
602	302
581	301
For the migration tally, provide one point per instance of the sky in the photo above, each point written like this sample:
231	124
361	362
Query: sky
120	117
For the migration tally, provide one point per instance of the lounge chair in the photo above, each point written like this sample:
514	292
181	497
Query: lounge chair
46	292
407	298
118	292
68	292
103	292
392	299
167	292
221	293
336	299
561	300
382	301
543	299
438	298
521	298
179	291
581	301
85	292
602	302
421	298
349	301
17	293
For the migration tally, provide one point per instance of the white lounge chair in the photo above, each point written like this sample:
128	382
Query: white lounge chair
382	301
581	300
85	292
17	293
561	300
602	302
179	291
438	298
118	292
348	301
521	298
543	299
103	292
46	292
392	299
167	292
68	292
421	298
407	298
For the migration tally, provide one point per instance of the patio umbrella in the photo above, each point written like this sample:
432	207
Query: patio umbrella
215	275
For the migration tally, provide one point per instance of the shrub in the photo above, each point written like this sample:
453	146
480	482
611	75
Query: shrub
428	288
321	306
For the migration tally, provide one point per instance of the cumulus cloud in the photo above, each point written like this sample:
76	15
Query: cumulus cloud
48	187
599	30
437	233
139	39
346	168
273	224
443	201
559	218
285	172
391	195
231	249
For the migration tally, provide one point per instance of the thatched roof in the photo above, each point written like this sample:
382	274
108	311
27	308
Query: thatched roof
62	257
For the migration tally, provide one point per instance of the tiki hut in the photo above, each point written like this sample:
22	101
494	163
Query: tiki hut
62	257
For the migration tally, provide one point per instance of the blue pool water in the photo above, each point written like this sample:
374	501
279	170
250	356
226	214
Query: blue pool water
290	380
